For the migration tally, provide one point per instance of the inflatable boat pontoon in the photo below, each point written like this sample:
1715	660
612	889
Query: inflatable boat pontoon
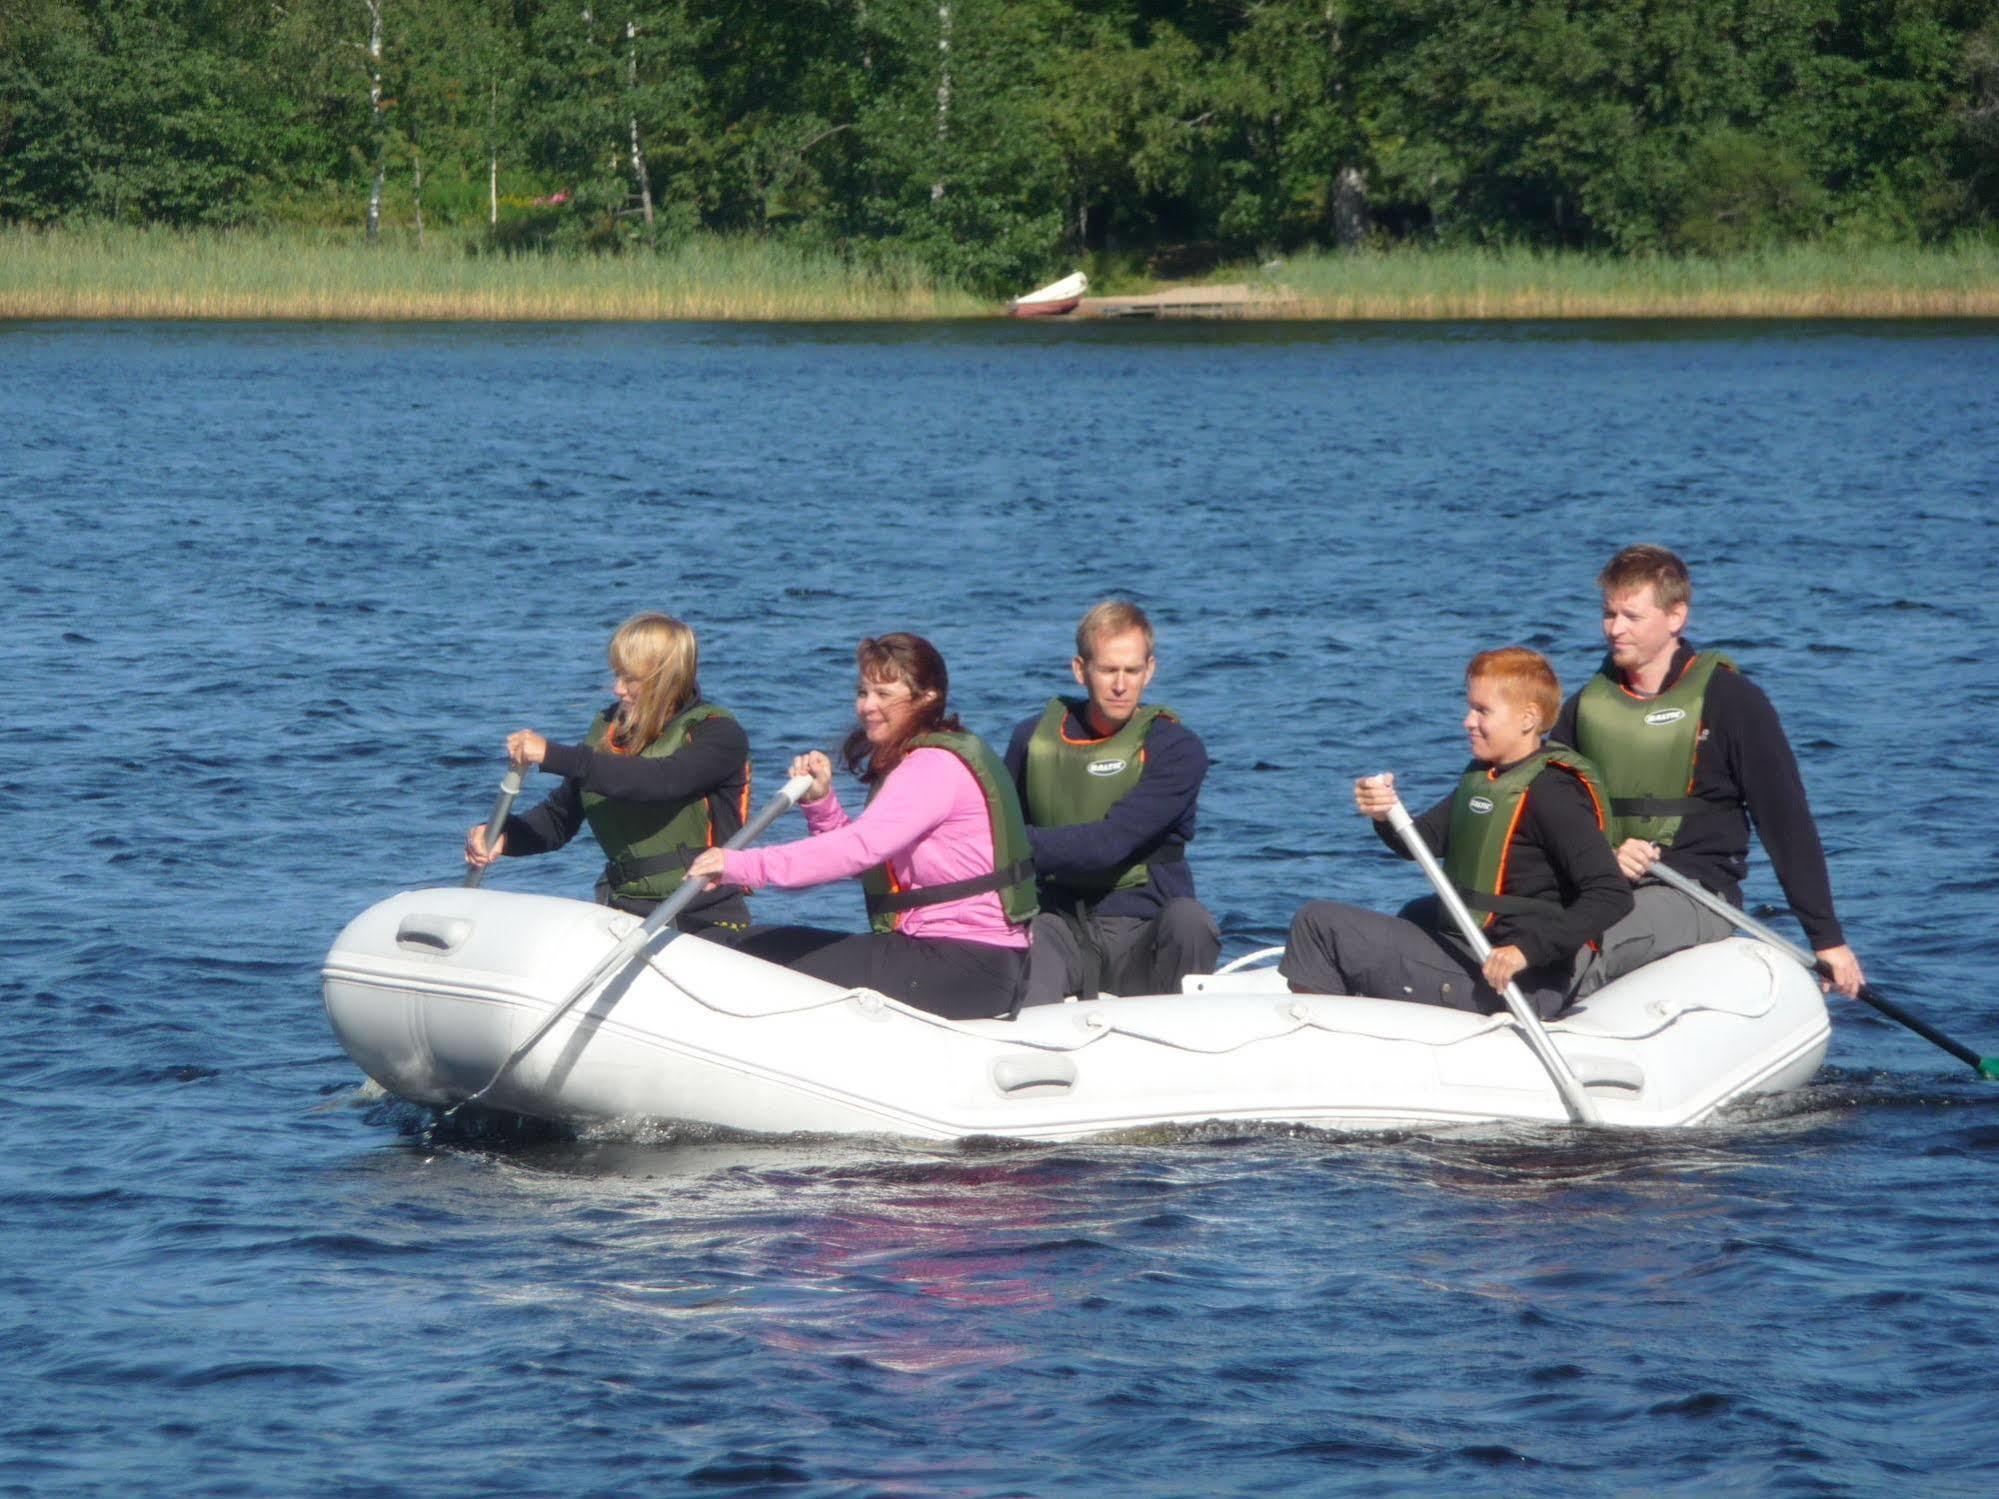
430	991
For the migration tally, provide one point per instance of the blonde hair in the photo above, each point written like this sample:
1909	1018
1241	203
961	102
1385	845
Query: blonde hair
1644	563
1522	675
660	654
1111	617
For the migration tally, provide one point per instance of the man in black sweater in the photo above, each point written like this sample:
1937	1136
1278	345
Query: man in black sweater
1109	785
1692	753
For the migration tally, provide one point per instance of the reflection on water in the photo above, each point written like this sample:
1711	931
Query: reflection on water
276	593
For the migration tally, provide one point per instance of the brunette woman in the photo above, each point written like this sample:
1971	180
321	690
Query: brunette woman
940	849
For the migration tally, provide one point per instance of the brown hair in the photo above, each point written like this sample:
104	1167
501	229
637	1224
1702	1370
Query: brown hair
1523	675
1644	563
660	654
914	662
1111	617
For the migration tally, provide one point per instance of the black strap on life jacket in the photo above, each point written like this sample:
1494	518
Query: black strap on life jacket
1667	806
936	895
624	871
1061	891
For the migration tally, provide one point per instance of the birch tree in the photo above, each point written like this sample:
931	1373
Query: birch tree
371	51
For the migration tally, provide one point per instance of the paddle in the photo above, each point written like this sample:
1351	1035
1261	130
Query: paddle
510	787
1984	1066
640	937
1573	1098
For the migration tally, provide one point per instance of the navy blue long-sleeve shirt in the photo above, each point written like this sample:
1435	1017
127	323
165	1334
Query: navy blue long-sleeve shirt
1160	805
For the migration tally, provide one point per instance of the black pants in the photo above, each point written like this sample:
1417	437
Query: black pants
1341	949
958	980
1133	954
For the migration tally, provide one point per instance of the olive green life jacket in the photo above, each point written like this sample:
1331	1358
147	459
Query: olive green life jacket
1012	875
1647	748
1071	781
1486	810
648	845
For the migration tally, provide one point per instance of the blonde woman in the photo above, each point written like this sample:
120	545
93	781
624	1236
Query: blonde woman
661	775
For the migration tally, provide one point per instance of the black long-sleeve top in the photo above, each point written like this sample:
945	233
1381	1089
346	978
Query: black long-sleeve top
1744	764
1159	806
1558	854
711	763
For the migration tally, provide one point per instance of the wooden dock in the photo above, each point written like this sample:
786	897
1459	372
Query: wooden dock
1229	301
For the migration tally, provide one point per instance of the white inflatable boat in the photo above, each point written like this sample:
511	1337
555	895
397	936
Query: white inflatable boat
431	990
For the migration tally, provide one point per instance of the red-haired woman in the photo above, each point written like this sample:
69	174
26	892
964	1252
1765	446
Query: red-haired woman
1522	838
941	850
661	774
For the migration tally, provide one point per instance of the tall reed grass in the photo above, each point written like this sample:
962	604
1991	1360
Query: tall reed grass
116	272
113	272
1807	281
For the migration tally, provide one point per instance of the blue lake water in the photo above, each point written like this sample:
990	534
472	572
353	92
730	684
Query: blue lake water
274	595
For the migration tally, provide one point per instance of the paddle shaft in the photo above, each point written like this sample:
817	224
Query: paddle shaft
1694	890
510	787
639	937
1581	1110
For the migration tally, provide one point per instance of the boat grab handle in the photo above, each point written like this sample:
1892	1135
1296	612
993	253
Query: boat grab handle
1609	1072
1033	1073
424	933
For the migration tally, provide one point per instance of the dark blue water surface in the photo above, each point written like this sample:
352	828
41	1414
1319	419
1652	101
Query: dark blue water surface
273	595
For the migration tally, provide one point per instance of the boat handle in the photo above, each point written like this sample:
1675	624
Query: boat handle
1025	1073
1609	1072
421	932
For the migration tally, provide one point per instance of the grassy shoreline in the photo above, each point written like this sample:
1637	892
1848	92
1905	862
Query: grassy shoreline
112	273
243	274
1804	281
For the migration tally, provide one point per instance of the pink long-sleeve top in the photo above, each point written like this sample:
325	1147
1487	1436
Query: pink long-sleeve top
928	823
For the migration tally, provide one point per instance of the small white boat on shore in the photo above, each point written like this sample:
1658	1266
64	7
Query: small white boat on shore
431	990
1053	299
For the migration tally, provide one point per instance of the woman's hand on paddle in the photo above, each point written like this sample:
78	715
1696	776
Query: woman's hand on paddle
1846	974
1504	966
707	867
815	764
1375	795
1636	857
476	852
526	747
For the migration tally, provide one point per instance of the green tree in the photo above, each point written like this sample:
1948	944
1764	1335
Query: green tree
1125	116
142	111
957	171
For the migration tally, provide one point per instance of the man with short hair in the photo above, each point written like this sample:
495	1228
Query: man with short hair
1691	752
1109	784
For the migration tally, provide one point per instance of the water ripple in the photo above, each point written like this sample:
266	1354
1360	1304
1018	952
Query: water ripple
271	626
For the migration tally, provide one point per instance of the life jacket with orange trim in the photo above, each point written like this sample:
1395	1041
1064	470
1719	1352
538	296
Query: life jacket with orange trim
648	845
1486	812
1070	781
1012	874
1648	747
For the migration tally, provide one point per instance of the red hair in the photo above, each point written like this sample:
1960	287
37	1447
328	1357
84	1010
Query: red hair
1524	676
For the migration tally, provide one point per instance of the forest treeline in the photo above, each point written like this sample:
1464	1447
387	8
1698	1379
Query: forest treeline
993	140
